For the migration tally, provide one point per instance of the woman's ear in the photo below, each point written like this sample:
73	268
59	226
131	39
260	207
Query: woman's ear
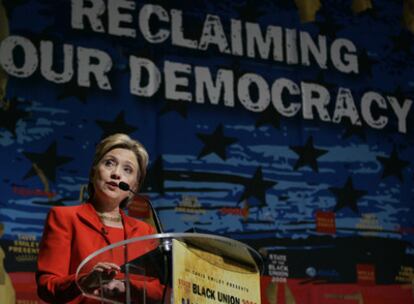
135	188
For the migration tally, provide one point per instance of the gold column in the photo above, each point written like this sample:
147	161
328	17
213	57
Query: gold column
307	9
7	293
408	15
359	6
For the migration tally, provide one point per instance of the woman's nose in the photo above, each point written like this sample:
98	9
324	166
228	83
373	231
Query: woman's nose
115	172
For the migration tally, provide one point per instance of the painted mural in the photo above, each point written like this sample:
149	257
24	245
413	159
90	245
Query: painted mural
284	124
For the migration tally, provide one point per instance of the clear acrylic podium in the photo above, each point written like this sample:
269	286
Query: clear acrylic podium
174	268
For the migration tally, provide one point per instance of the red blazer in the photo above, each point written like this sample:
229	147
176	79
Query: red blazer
70	235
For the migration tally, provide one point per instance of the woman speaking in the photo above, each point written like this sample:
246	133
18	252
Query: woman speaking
72	233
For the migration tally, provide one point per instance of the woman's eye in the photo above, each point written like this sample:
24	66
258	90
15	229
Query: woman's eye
109	162
128	170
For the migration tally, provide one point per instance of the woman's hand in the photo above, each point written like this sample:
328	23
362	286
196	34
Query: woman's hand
111	289
101	273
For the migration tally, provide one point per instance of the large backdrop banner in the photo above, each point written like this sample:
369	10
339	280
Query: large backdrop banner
284	124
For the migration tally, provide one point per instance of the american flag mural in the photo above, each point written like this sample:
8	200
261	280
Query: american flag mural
287	125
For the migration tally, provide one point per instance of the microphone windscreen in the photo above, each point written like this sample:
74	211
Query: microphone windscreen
123	186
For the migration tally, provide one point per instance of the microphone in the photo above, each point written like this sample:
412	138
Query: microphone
125	187
166	243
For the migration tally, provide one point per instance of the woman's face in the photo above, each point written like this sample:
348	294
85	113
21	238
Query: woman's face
118	165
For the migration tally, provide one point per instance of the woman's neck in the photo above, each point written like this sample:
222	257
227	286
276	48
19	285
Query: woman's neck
108	212
111	218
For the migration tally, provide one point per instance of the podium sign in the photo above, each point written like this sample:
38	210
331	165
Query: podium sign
200	277
175	268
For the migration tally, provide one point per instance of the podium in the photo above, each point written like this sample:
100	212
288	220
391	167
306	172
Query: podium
174	268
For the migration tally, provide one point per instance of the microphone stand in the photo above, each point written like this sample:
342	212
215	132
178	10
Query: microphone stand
125	187
166	244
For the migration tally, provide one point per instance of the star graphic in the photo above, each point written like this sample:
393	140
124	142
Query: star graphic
347	196
10	114
268	116
117	126
215	143
154	181
393	165
47	161
178	106
256	187
308	155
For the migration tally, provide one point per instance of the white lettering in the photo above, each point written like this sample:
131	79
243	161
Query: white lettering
172	81
137	65
86	67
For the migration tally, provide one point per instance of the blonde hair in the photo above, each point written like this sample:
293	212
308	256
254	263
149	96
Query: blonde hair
122	141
